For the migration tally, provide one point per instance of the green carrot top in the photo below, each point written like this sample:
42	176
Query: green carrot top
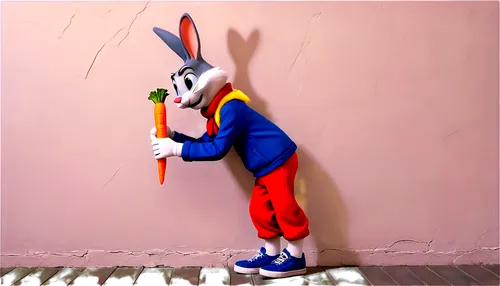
158	95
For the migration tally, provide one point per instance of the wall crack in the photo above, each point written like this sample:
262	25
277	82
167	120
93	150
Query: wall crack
306	41
114	175
132	23
99	51
69	24
158	257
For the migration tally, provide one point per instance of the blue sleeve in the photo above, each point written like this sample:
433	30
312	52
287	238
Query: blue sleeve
217	148
182	138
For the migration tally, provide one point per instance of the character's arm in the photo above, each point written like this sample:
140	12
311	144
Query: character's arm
216	149
182	138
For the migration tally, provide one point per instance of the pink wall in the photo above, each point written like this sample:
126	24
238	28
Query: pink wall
394	107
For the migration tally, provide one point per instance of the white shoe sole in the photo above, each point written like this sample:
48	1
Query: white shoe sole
272	274
243	270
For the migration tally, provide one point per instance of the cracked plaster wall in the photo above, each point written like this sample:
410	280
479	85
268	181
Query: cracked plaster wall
394	107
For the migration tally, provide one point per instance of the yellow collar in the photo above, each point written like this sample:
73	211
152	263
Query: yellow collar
235	94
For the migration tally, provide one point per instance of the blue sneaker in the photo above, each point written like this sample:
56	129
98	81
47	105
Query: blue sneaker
252	265
284	266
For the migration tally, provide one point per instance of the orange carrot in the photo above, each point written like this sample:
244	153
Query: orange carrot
160	114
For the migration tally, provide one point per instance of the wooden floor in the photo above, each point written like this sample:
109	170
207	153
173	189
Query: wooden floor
400	275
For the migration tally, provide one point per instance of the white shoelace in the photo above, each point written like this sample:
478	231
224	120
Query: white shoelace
257	256
282	258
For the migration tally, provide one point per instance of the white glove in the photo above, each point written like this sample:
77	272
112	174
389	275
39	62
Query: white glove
170	132
164	147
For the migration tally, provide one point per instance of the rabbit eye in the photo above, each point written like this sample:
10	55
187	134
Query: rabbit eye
190	80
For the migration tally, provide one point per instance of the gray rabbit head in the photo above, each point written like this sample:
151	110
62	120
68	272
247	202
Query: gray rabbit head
196	82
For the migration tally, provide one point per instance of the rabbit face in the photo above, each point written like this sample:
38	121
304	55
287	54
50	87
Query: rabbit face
195	85
197	82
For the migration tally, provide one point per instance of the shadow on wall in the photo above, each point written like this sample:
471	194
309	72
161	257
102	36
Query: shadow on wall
315	190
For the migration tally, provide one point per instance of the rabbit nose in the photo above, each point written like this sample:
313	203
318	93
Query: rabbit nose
178	99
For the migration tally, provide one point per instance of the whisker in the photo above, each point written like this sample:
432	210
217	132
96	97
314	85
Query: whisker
196	87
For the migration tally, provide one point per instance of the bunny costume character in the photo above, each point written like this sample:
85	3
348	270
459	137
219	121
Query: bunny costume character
263	147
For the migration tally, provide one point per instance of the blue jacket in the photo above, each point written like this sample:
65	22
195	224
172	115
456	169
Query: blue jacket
261	145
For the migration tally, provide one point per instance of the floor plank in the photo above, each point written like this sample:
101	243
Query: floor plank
15	275
38	276
159	276
93	276
317	276
480	274
427	276
344	276
240	279
376	276
214	276
493	268
3	272
185	276
402	275
391	275
259	280
123	276
64	277
453	275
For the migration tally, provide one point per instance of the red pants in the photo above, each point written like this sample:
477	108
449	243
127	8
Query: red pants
273	208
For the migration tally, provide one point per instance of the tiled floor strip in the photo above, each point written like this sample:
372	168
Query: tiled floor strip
402	275
427	276
480	274
342	276
377	276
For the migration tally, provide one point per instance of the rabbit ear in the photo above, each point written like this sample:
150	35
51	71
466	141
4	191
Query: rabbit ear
172	41
189	37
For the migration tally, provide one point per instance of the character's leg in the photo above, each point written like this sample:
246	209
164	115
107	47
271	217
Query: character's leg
262	213
264	219
291	219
